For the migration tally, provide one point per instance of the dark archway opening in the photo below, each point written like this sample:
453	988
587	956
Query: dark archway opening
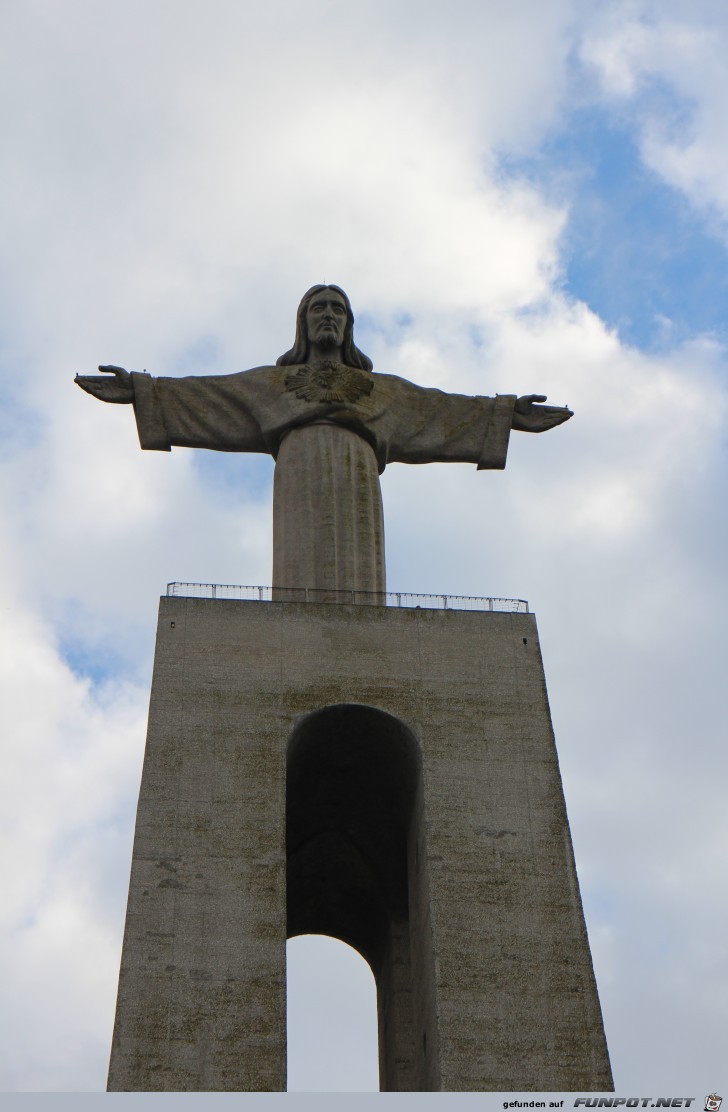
352	775
353	826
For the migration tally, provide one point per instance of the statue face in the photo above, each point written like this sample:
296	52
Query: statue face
326	319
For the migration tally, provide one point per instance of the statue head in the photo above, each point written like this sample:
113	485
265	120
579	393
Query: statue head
351	355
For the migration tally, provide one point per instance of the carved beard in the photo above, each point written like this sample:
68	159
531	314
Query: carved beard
328	337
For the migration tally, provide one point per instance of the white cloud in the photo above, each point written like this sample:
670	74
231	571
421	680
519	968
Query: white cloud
71	765
666	66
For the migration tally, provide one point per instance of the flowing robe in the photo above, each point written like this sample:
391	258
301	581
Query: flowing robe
332	430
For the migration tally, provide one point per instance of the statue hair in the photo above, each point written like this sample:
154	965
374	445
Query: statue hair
350	354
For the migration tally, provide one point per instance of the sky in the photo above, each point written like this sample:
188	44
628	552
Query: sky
518	197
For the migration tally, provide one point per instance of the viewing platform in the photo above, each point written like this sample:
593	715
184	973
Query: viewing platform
398	599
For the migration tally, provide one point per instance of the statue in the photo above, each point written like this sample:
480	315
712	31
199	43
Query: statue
332	425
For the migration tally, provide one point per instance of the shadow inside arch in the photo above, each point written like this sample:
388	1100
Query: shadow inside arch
355	867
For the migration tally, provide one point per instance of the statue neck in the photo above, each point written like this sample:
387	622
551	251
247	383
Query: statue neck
318	353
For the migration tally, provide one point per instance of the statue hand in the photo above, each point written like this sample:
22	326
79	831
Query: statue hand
529	417
119	389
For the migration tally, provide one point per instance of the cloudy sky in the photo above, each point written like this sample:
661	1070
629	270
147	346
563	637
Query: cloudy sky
518	196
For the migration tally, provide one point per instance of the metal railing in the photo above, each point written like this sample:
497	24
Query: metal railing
370	598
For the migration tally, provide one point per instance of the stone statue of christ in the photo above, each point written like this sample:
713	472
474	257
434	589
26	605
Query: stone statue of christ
332	425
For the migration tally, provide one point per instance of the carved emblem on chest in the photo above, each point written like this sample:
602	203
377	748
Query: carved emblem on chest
329	382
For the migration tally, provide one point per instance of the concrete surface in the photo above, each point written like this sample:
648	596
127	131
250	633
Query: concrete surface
425	824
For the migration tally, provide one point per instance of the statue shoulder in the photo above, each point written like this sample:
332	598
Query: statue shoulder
263	372
215	376
396	385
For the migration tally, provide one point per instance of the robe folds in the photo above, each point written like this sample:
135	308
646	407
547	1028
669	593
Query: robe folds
332	430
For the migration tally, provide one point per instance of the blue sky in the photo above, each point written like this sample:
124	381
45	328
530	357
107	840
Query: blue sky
635	250
517	198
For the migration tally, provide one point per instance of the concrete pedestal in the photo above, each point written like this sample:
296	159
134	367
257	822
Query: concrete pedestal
385	776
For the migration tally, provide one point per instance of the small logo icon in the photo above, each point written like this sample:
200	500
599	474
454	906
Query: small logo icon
712	1103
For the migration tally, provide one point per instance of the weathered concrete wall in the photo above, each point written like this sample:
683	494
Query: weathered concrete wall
498	990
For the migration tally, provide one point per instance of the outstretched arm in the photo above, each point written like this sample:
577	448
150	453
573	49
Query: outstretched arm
210	411
529	417
432	426
118	389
